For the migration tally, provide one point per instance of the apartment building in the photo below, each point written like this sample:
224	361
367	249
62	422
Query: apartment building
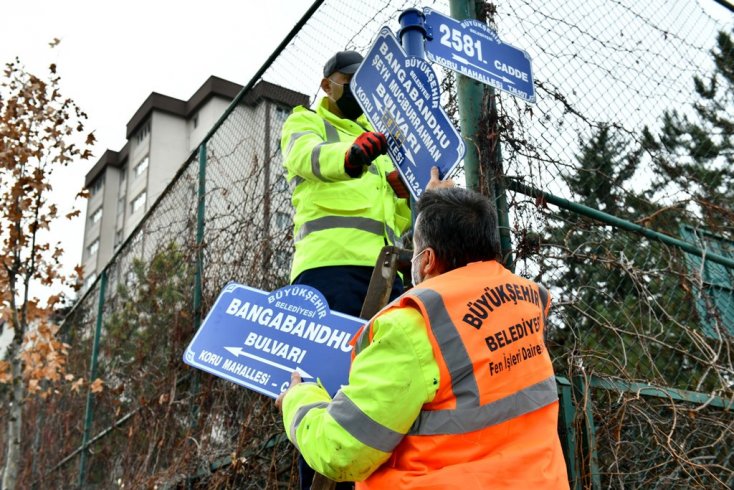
161	135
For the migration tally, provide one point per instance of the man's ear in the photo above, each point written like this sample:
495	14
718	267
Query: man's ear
326	86
431	267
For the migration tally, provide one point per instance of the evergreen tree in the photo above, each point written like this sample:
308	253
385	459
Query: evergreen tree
614	288
605	166
693	154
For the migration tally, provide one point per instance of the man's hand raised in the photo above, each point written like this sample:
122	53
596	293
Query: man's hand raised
295	379
437	183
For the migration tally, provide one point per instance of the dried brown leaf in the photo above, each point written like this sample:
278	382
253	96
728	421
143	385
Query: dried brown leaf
97	385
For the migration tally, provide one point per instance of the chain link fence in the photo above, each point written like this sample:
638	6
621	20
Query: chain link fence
641	331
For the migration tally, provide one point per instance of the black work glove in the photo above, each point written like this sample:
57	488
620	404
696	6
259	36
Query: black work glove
366	148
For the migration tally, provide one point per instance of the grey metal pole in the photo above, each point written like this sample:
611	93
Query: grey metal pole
469	94
470	97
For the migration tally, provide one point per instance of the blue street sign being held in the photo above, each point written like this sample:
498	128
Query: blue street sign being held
400	96
473	49
257	339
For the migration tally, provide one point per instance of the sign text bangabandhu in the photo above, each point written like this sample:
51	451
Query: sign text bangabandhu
257	339
400	96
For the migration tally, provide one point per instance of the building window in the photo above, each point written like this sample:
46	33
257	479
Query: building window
142	166
281	184
131	280
93	247
96	186
118	239
89	280
138	202
282	221
96	216
196	121
282	260
281	114
143	133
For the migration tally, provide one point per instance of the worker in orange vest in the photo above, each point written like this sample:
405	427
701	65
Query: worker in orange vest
451	385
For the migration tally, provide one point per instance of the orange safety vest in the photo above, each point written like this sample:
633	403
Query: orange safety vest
493	421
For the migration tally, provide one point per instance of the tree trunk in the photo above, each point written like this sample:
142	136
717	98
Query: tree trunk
12	451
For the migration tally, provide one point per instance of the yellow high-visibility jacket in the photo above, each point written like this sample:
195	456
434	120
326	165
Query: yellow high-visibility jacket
339	220
387	387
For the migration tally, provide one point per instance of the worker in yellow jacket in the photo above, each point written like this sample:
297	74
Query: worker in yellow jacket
346	207
451	385
348	198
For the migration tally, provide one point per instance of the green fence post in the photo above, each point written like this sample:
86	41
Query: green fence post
498	187
89	411
200	210
200	216
592	213
567	430
589	471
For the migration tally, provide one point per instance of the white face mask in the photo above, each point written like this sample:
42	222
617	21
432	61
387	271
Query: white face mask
415	271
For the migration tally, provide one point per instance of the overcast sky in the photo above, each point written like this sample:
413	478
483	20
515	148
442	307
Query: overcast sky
112	55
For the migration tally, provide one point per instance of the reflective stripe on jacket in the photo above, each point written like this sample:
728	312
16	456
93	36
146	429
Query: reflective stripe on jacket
493	420
388	385
338	220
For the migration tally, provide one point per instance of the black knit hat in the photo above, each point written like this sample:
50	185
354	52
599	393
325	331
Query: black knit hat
345	62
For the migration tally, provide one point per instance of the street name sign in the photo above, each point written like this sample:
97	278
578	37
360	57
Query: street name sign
400	96
257	339
473	49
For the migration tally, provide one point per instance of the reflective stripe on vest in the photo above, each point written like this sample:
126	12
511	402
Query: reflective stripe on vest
316	163
332	136
293	139
469	415
363	341
300	413
470	419
463	382
361	426
359	223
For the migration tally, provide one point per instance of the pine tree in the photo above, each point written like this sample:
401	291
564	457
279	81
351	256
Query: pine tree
693	154
610	282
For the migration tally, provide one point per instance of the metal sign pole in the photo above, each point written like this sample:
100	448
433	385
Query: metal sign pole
412	36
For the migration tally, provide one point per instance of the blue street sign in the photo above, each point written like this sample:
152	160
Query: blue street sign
473	49
257	339
400	96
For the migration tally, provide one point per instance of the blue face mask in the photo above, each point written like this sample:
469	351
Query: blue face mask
414	271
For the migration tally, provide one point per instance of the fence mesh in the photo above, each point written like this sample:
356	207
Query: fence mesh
609	76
